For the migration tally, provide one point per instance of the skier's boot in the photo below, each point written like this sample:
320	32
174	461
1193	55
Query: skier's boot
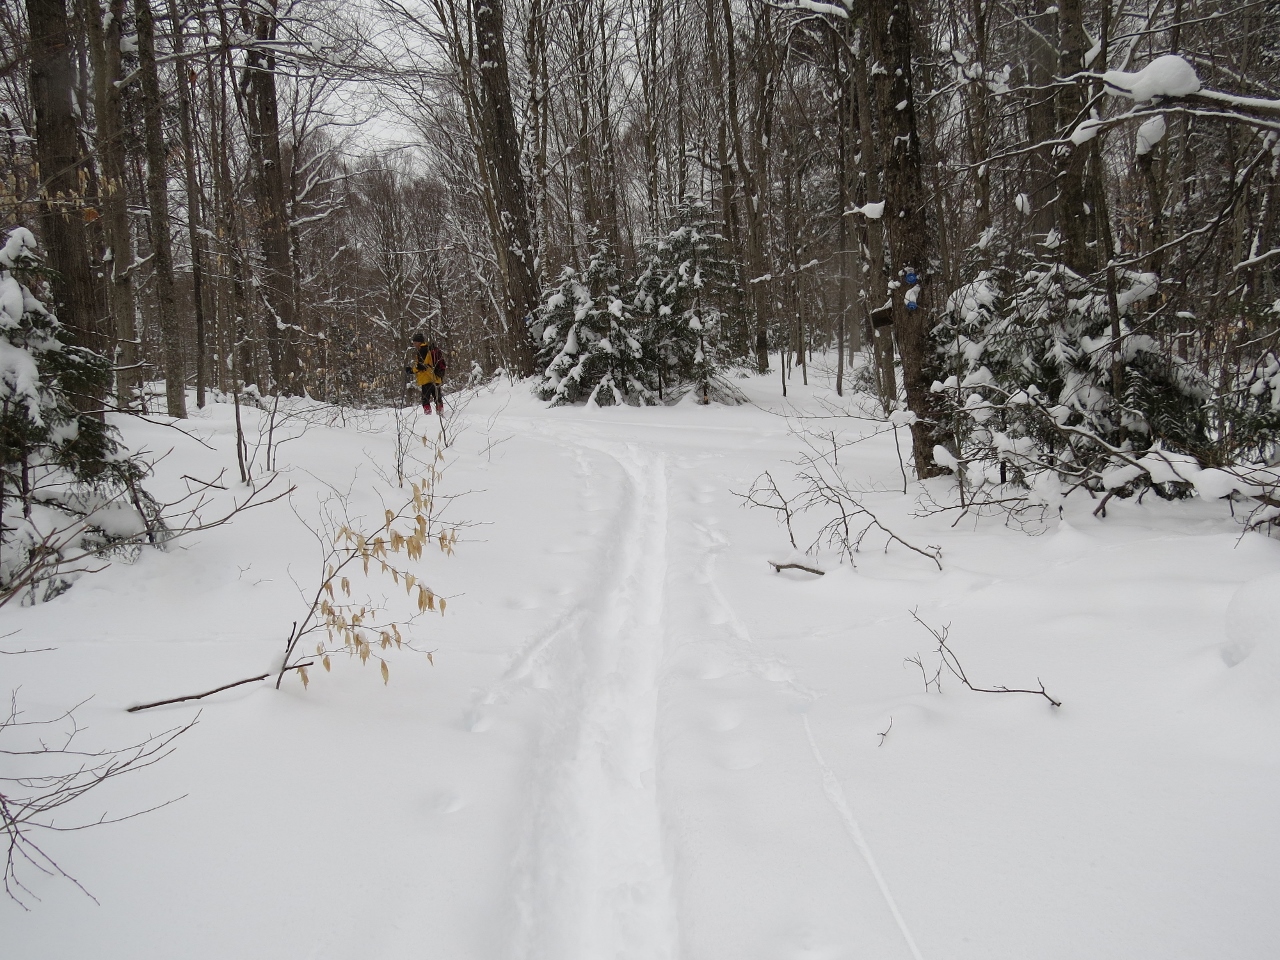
426	408
439	409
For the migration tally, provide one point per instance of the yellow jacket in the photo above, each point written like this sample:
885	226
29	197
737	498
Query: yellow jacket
425	367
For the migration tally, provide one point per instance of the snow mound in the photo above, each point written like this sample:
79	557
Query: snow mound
19	248
1253	635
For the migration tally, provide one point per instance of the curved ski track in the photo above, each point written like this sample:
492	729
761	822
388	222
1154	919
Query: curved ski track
594	878
592	881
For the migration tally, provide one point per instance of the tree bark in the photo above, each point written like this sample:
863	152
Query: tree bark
501	165
876	291
195	217
270	197
63	175
1041	32
105	36
910	237
1079	251
175	372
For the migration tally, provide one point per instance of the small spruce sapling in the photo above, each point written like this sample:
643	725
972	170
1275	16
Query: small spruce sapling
68	492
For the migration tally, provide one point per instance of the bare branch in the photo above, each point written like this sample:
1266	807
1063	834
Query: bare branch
779	567
952	664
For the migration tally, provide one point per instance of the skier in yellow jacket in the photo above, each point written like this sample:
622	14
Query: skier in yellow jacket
428	369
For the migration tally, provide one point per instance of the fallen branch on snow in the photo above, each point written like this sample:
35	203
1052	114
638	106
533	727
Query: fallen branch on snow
225	686
952	664
779	567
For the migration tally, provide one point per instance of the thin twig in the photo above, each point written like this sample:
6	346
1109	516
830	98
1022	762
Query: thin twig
209	693
885	732
953	664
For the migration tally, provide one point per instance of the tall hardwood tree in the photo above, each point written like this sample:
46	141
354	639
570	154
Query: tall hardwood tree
270	193
171	329
105	27
64	175
909	233
501	158
195	202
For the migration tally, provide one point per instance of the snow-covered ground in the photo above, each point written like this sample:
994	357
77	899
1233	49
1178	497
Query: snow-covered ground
639	741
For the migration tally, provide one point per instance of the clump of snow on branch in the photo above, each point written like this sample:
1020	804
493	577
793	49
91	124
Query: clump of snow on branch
1149	134
1163	77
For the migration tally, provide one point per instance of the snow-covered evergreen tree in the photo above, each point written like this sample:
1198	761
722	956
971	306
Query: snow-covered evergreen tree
1031	380
65	487
590	346
688	297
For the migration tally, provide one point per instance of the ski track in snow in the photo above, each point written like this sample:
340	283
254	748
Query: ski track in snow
591	878
776	671
835	793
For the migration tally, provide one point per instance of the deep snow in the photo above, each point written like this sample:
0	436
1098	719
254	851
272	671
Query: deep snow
639	741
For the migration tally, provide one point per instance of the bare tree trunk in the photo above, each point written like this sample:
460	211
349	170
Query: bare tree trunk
1074	218
584	147
681	144
847	323
513	242
195	218
608	165
539	124
1041	32
979	125
876	294
259	83
751	238
63	176
910	238
105	36
1101	222
175	373
647	54
240	361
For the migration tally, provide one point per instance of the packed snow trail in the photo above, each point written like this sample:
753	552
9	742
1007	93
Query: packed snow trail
638	740
591	878
622	854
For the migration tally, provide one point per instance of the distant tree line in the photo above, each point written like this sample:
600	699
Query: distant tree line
1046	269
